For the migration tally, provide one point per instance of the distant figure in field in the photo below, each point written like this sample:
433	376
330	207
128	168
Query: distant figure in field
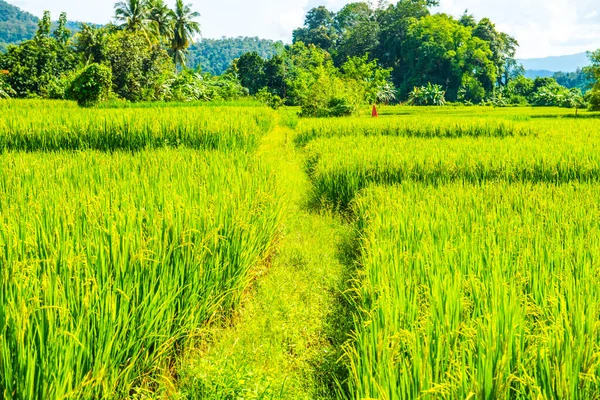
375	114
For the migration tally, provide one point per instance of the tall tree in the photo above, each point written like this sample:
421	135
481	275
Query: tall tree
444	52
184	30
503	47
133	14
318	29
251	72
394	22
161	20
35	66
357	31
468	20
44	26
594	71
61	33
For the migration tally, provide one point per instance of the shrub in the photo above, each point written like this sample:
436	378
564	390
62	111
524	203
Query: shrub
594	100
555	95
430	95
195	86
5	89
335	107
471	91
91	86
331	96
269	99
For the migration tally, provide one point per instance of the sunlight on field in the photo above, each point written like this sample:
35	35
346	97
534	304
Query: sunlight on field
136	242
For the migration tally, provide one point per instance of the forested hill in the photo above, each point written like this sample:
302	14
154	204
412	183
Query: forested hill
15	25
213	55
216	55
568	63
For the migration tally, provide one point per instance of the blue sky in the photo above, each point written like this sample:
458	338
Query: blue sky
542	27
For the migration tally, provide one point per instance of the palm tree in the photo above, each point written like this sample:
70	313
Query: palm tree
133	14
161	20
184	29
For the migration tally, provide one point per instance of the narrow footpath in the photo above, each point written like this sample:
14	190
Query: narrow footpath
285	340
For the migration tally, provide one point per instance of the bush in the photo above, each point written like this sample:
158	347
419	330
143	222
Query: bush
471	91
555	95
5	89
518	100
269	99
190	85
430	95
594	100
331	96
57	88
335	107
340	107
91	86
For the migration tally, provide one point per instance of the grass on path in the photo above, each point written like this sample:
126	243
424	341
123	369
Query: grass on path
284	342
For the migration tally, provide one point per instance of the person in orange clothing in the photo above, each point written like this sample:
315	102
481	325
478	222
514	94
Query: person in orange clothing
375	114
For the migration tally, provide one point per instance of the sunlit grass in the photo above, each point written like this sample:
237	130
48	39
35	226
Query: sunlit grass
471	291
45	126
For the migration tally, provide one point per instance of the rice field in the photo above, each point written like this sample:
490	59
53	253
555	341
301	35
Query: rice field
341	166
477	253
130	233
411	126
478	291
110	262
59	126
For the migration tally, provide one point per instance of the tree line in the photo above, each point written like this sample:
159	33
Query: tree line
139	56
338	60
430	58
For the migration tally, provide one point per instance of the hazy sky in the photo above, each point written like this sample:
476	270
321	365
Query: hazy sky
542	27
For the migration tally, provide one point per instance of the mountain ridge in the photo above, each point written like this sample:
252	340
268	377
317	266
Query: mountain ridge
17	25
566	63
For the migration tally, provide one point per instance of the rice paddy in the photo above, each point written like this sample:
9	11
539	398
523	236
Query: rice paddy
129	234
110	262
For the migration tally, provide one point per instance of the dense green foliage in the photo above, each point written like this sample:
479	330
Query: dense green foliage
15	25
420	48
537	92
91	86
339	61
141	53
594	70
306	76
430	95
215	56
579	79
419	57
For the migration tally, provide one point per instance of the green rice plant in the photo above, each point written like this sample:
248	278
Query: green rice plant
410	126
109	263
461	111
477	291
44	126
341	167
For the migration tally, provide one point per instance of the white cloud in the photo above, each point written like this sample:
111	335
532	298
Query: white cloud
542	27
